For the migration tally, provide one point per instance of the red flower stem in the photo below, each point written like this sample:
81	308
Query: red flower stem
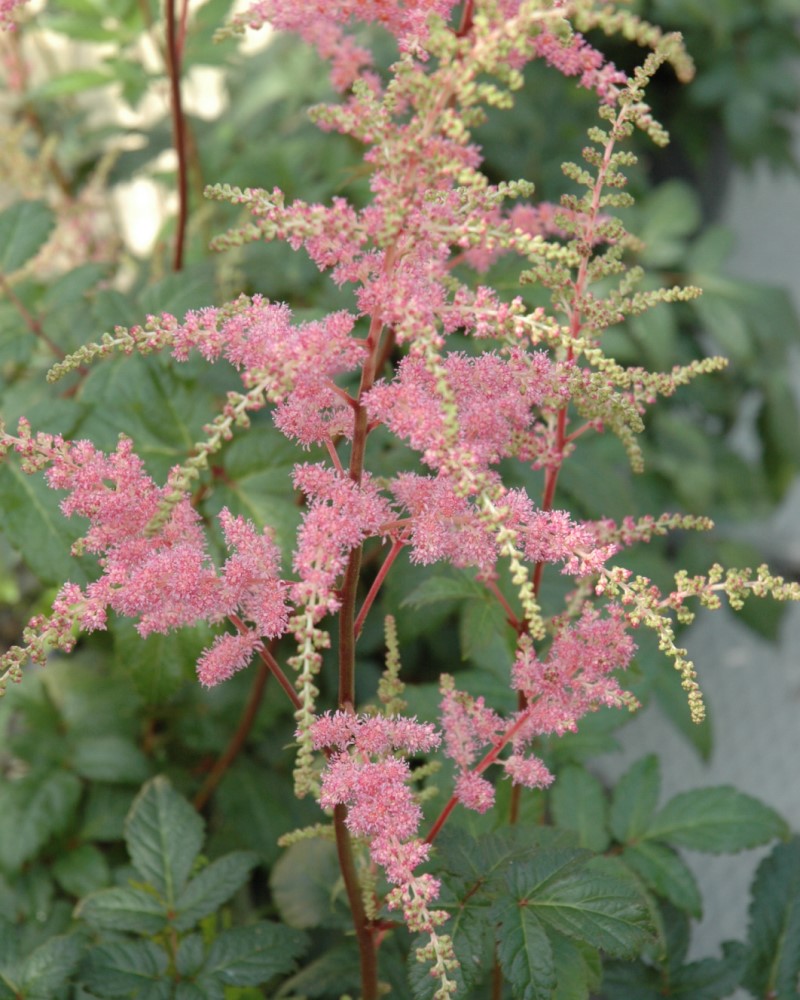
269	661
487	761
394	552
364	932
334	456
178	130
511	618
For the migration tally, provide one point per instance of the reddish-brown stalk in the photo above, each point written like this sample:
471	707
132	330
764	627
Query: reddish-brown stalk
173	56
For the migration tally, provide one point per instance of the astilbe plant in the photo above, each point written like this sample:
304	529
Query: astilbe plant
524	384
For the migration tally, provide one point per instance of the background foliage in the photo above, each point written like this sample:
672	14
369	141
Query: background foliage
111	884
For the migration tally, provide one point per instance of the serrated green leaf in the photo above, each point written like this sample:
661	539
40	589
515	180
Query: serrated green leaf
176	294
666	874
9	943
125	969
249	956
82	870
578	803
634	799
482	622
212	887
110	758
773	939
164	835
46	970
717	820
303	882
523	950
124	908
586	901
32	810
24	229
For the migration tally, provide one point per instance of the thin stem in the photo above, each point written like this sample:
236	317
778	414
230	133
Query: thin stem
269	661
511	617
364	935
237	740
394	552
178	130
347	633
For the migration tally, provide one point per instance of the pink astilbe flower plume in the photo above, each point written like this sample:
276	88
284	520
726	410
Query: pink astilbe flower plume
163	579
341	515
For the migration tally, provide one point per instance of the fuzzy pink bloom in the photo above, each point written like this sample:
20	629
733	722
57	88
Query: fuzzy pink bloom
228	654
528	771
251	576
494	398
320	24
341	515
578	58
474	792
444	525
547	219
164	579
380	805
576	677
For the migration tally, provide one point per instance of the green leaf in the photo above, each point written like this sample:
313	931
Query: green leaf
212	887
110	758
124	909
82	870
164	835
249	956
74	82
125	969
443	588
303	883
160	664
634	799
588	902
711	978
578	968
579	803
24	229
332	973
773	964
46	970
523	950
176	294
32	810
255	820
36	527
666	874
718	820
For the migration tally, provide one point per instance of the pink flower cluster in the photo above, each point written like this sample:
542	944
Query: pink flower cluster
320	24
575	678
364	773
164	579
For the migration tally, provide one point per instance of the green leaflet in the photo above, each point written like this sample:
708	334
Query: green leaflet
24	230
635	799
773	964
164	835
716	820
